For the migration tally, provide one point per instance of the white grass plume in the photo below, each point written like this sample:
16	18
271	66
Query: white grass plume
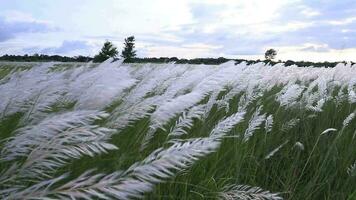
180	155
318	107
290	94
130	184
98	87
274	151
224	101
164	113
227	124
352	91
36	191
348	119
289	124
269	123
248	97
185	121
299	145
352	169
246	192
124	115
56	140
209	105
31	92
328	131
170	109
256	120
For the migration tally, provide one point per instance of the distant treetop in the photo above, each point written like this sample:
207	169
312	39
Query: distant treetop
107	51
129	53
270	54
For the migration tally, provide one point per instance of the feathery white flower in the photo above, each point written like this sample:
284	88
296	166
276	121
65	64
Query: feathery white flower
290	124
225	125
132	183
348	119
98	87
246	192
269	123
56	140
185	121
352	170
270	154
299	145
289	94
256	120
328	130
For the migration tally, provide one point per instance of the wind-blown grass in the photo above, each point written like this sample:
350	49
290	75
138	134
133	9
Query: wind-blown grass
128	131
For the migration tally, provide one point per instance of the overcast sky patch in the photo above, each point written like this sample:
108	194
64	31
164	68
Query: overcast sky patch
185	28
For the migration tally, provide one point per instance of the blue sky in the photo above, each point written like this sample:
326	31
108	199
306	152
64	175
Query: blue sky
298	29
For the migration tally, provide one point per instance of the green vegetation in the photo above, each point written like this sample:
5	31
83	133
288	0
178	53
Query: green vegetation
270	54
107	51
162	60
178	132
129	53
44	58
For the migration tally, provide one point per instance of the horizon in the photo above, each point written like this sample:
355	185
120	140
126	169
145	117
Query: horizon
299	30
179	58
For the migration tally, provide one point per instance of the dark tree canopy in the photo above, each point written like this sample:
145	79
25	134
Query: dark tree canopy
129	53
107	51
270	54
44	58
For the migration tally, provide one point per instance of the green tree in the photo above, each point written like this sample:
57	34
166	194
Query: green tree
107	51
270	54
129	53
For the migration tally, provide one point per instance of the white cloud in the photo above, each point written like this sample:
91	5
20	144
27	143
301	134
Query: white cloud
17	16
345	21
315	52
184	51
309	12
189	28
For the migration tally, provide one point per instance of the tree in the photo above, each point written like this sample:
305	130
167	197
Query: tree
129	53
270	54
107	51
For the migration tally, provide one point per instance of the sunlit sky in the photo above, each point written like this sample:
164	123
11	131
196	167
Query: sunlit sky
297	29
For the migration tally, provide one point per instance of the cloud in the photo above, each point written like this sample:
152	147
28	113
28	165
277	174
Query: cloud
11	28
66	48
294	23
315	48
186	28
206	12
331	9
186	51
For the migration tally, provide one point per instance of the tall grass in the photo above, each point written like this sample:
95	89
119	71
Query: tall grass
144	131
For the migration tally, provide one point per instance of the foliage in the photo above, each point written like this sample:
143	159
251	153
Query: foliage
170	131
129	53
206	61
107	51
270	54
44	58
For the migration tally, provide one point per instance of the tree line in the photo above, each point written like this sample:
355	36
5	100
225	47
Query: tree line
128	54
44	58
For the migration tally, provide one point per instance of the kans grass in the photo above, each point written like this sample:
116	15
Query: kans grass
168	131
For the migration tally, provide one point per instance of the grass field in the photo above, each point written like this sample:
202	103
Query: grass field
168	131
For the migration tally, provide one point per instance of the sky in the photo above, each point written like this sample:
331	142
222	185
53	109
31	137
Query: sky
323	30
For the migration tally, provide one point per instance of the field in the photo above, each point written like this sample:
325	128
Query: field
169	131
